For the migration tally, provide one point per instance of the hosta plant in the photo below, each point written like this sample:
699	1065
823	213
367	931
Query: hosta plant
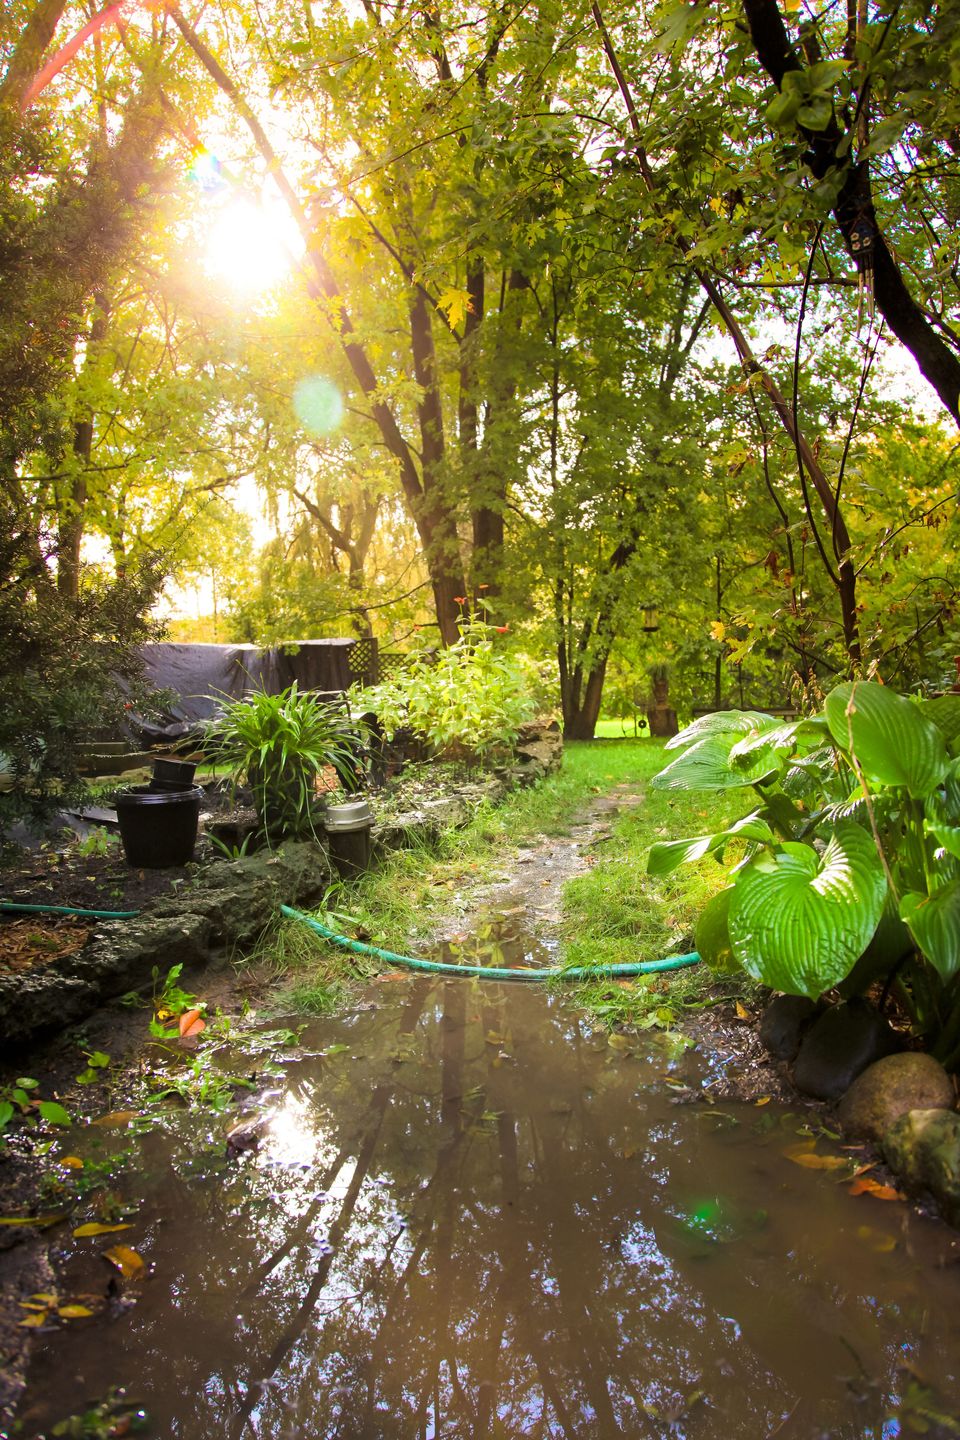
849	863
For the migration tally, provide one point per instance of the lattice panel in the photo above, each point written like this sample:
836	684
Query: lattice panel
362	661
390	662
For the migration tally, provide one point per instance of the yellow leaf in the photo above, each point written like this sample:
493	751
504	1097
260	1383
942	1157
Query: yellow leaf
95	1228
45	1297
718	630
29	1305
74	1312
127	1261
116	1117
742	1012
455	304
764	1100
620	1042
51	1219
32	1320
73	1162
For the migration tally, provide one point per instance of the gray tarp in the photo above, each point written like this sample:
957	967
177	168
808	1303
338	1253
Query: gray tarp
202	677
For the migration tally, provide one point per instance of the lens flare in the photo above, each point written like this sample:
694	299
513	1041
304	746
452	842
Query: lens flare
318	405
206	171
250	247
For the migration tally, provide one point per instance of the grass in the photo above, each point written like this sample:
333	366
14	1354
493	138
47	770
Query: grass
612	914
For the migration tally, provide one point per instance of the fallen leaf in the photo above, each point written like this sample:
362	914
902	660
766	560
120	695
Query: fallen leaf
742	1012
73	1312
73	1162
30	1305
45	1296
191	1023
127	1261
811	1161
620	1042
116	1117
878	1240
41	1220
764	1100
33	1320
874	1188
96	1228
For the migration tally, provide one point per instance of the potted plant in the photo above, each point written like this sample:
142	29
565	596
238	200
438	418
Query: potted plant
279	745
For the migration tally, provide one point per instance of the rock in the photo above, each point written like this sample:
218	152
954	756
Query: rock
923	1149
784	1023
890	1088
839	1046
540	743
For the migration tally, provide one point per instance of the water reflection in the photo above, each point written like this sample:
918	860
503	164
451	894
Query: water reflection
479	1220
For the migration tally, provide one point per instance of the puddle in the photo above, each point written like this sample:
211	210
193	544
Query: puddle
474	1217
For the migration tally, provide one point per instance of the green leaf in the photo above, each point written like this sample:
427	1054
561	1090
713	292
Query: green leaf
782	111
707	763
934	923
6	1113
890	738
798	922
53	1113
712	935
944	711
667	855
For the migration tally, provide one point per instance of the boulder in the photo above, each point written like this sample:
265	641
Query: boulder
923	1149
892	1087
839	1046
784	1023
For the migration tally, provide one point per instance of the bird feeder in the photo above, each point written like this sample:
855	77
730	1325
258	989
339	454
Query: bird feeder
651	618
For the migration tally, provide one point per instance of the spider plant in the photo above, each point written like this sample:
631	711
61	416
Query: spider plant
279	745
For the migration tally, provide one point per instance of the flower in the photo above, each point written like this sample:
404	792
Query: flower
501	629
460	599
483	587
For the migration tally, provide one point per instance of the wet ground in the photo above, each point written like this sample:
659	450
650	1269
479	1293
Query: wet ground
465	1214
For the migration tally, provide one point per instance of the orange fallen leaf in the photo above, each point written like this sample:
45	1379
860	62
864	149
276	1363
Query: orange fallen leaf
876	1189
191	1023
72	1162
742	1012
764	1100
127	1261
96	1228
811	1161
116	1117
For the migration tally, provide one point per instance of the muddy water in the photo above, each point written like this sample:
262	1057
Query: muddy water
480	1219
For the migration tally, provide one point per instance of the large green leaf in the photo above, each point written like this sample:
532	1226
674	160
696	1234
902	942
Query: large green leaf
666	855
707	763
799	921
934	922
722	722
891	739
944	712
712	935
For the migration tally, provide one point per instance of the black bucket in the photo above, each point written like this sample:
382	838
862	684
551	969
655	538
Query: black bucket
158	827
171	774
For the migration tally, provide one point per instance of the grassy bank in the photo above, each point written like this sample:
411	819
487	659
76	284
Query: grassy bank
612	913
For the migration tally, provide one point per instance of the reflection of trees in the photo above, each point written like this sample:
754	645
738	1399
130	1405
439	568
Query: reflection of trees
477	1250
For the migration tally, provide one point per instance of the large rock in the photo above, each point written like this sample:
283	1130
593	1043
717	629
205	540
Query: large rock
539	746
839	1046
923	1148
890	1088
784	1023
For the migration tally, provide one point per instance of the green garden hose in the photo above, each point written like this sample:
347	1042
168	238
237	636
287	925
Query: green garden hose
496	972
11	907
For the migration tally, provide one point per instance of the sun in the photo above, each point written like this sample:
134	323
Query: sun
252	247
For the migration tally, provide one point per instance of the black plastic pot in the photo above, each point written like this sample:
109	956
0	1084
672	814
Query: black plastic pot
172	774
158	827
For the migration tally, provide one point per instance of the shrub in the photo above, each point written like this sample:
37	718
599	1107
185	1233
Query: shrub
67	668
465	700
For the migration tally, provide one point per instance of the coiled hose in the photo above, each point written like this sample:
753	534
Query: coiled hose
495	972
